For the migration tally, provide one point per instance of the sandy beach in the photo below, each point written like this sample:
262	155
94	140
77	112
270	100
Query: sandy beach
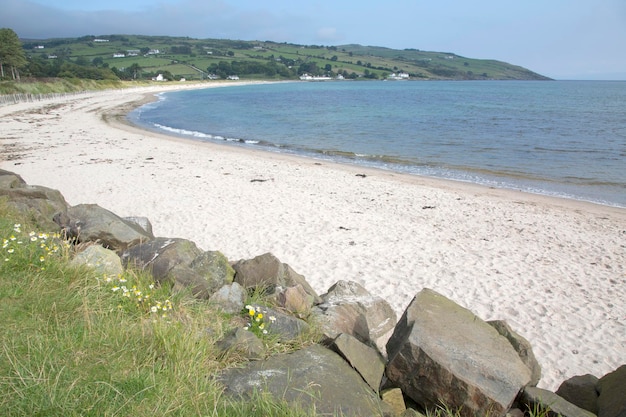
554	269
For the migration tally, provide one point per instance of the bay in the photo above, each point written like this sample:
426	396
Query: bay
560	138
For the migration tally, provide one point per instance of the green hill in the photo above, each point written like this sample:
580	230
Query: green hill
136	56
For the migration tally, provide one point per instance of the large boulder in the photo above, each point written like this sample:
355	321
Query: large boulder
582	391
522	347
230	298
92	223
441	353
555	406
40	203
266	272
313	377
349	308
612	390
182	262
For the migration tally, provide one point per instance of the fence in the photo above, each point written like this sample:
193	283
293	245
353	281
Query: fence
6	99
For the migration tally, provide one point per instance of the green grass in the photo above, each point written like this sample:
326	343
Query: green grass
71	344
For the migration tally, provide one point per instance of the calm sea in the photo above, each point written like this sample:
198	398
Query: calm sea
562	138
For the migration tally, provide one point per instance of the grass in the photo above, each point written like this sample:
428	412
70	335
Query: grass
74	343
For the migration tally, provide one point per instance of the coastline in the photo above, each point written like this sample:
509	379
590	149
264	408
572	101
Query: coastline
555	269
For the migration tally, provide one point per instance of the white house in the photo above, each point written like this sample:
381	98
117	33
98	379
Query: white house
118	55
232	77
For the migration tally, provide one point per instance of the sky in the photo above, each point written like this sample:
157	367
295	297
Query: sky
561	39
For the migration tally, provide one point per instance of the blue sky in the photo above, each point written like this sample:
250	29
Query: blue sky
562	39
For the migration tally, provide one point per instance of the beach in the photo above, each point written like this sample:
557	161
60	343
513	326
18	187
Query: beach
554	269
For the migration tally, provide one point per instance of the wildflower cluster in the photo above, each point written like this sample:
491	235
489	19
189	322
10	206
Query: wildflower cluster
258	324
139	295
32	249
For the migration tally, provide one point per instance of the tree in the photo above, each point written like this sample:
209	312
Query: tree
11	53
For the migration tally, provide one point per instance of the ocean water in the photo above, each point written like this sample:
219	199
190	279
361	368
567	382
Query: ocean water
561	138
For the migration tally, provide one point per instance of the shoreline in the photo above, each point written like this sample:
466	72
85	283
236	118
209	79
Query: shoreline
553	268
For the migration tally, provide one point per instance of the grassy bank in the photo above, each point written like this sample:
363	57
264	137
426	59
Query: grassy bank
62	85
78	343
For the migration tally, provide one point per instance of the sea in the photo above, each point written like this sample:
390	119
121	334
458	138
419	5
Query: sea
556	138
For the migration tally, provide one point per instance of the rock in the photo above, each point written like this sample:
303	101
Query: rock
349	308
92	223
522	347
581	391
142	222
314	377
441	353
241	341
41	203
285	326
364	359
295	300
268	273
394	398
106	262
230	298
612	394
180	260
160	255
208	272
535	397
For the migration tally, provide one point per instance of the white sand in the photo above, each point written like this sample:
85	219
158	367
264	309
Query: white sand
554	269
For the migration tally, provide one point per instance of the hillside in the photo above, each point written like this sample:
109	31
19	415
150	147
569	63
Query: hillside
136	56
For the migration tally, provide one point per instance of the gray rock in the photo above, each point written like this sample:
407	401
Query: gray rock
285	326
314	377
40	203
365	360
230	298
106	262
268	273
180	261
160	255
522	347
241	342
142	222
534	397
294	300
92	223
612	398
349	308
394	398
441	352
581	391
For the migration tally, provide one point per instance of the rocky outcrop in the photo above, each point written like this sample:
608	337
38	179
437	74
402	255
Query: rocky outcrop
349	308
313	377
441	353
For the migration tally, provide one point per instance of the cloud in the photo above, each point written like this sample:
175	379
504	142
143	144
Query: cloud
328	35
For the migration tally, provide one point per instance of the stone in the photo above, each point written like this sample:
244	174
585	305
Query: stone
394	398
40	203
160	255
582	391
441	353
349	308
266	272
365	360
142	222
284	326
295	300
522	347
230	298
310	378
556	406
241	342
92	223
106	262
612	394
206	273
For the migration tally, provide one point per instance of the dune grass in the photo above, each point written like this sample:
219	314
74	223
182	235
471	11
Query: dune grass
75	343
